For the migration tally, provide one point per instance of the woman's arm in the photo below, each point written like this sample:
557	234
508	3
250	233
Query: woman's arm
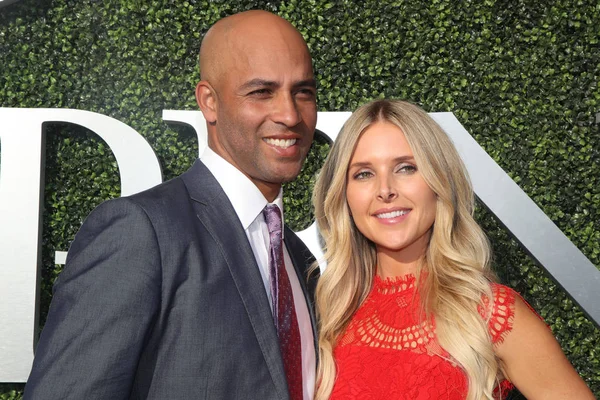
534	361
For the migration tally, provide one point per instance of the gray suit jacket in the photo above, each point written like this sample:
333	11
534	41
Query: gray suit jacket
161	298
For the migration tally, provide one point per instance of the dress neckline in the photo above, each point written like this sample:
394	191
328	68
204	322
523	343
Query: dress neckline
394	284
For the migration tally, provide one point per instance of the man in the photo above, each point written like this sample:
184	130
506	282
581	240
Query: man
168	294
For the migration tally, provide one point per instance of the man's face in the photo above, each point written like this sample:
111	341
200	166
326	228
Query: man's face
266	109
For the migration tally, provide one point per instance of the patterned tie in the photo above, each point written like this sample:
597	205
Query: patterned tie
282	299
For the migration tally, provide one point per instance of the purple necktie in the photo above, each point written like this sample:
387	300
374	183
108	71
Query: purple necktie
284	312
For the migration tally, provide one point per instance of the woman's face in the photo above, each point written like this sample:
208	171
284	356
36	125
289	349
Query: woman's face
390	202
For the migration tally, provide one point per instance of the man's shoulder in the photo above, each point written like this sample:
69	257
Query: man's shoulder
171	198
176	190
165	196
165	191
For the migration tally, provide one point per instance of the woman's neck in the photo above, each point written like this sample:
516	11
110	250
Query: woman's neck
395	264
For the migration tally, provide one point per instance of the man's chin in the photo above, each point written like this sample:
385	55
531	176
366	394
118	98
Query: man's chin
281	179
286	173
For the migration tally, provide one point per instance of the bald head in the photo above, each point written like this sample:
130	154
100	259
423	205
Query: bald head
258	97
232	37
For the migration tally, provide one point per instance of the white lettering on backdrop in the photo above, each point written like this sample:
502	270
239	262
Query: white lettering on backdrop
21	191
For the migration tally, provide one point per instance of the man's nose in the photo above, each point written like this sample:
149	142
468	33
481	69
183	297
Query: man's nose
286	110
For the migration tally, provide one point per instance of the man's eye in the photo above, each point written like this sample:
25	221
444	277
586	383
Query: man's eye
260	92
306	93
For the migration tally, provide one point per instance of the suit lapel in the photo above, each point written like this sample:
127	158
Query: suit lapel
218	217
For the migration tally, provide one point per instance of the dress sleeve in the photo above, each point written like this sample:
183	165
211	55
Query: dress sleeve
502	312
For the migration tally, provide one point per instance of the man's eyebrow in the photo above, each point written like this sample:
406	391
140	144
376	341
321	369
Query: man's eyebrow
307	82
258	82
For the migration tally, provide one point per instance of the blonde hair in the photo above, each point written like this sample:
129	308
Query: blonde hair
457	259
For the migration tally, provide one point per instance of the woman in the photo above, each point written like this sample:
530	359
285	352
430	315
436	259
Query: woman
407	305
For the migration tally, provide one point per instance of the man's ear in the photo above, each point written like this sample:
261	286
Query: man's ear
206	99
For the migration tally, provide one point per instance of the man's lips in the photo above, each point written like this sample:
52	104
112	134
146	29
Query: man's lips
281	143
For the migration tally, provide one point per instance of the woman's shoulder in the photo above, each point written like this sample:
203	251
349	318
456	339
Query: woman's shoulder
500	311
530	356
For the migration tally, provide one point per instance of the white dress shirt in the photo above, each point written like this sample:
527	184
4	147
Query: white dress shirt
248	203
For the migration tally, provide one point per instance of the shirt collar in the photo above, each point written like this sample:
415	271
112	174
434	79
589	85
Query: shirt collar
247	200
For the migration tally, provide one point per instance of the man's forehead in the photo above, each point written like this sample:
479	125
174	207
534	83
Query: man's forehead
239	51
257	41
255	55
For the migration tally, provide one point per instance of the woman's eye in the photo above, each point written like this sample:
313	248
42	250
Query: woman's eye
362	175
407	168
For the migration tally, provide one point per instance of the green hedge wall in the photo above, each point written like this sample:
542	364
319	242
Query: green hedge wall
521	75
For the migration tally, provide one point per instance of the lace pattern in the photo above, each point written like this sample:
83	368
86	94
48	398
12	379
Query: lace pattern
389	351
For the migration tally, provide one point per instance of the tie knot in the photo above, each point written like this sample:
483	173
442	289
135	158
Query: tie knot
272	216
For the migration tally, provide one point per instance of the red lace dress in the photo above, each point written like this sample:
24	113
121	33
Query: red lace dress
386	354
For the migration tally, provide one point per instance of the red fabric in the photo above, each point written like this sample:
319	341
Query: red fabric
289	336
387	353
283	305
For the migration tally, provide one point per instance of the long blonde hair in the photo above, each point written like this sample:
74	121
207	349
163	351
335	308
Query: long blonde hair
457	259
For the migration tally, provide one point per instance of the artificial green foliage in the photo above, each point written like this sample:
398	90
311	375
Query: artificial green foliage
11	392
522	76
